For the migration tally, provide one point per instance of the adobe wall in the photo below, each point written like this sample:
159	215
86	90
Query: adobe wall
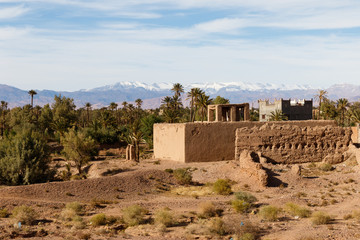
169	142
355	136
293	143
207	141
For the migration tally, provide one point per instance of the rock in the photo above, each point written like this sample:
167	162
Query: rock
334	158
296	170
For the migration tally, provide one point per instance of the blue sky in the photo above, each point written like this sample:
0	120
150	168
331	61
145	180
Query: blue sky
74	44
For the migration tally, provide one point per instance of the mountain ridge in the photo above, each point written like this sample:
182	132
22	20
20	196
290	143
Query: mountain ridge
151	94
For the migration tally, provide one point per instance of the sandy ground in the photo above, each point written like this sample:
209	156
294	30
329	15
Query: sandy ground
117	184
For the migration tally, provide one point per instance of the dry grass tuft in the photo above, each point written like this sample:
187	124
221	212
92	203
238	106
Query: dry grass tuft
319	218
296	210
269	213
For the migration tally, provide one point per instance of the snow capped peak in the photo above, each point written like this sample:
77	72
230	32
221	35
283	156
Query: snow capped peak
211	87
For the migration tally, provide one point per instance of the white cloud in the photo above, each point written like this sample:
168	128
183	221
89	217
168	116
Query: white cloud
12	12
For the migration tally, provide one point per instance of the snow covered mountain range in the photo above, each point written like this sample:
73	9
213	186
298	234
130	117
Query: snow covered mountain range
152	94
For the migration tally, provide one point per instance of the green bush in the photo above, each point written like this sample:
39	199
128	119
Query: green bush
183	176
245	196
319	218
222	186
269	213
164	217
296	210
24	214
134	215
78	148
98	220
241	206
24	158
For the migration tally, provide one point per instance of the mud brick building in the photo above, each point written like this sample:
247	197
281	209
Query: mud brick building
292	109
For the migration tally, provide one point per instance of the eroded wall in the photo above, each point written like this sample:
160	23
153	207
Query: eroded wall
169	142
293	143
206	142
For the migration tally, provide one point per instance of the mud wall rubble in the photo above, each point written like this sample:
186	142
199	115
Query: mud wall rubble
291	144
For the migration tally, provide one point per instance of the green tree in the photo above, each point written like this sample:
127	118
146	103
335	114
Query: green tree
320	96
3	113
88	109
25	158
64	113
177	89
78	148
202	102
138	102
220	100
277	115
147	126
342	105
32	93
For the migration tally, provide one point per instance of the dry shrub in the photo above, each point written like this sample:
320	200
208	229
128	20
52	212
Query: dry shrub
245	196
134	215
68	214
98	220
326	167
4	213
217	226
193	191
240	206
199	228
296	210
75	206
348	216
319	218
269	213
164	217
24	214
208	210
222	186
241	227
183	176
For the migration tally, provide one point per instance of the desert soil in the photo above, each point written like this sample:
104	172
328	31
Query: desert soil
116	183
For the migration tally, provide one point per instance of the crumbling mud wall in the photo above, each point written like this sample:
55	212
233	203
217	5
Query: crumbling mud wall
250	165
290	144
207	141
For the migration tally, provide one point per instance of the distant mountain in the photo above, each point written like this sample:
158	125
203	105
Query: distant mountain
151	94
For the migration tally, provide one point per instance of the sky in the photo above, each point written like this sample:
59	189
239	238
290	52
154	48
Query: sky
73	44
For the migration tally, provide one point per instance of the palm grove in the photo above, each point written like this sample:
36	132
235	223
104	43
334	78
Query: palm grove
29	133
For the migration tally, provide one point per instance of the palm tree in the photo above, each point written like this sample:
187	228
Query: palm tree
176	101
321	95
166	102
191	95
138	102
203	102
88	108
355	115
278	115
197	93
124	104
113	106
177	89
342	104
32	93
